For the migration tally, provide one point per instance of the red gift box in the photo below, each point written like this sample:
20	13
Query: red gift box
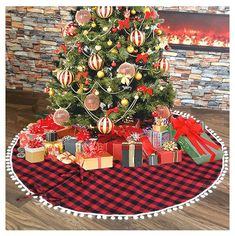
26	136
169	156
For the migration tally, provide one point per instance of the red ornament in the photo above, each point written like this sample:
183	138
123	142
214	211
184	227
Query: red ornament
167	48
87	82
105	125
61	116
118	45
114	64
104	11
95	62
137	37
69	29
114	30
65	77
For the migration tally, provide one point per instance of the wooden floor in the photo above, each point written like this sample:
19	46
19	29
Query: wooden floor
210	213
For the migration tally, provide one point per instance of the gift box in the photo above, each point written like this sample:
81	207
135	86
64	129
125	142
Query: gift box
26	136
70	145
169	156
132	154
159	128
67	131
157	138
66	158
53	148
191	137
34	151
153	159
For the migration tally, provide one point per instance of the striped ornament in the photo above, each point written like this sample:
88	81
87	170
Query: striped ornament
65	77
105	125
69	29
95	62
104	11
163	65
137	37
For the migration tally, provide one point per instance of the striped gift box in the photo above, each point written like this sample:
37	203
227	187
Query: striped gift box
158	138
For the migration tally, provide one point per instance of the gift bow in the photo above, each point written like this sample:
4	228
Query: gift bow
125	79
91	149
192	130
145	89
142	57
151	14
109	111
36	129
80	75
169	146
124	24
35	143
48	123
83	135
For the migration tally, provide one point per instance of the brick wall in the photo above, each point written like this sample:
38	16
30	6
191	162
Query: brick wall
32	33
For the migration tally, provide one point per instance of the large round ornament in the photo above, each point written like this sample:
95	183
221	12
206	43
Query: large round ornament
65	77
61	116
105	125
92	102
95	62
163	65
137	37
126	69
82	17
162	112
69	29
104	11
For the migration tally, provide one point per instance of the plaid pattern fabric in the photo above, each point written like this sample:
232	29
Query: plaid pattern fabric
116	190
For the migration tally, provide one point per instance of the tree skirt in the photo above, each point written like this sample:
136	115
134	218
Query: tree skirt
117	192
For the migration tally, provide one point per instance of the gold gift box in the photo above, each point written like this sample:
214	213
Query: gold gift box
57	143
34	155
104	161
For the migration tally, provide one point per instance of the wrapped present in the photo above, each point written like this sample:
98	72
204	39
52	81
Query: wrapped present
26	136
68	131
157	138
82	136
132	154
169	156
70	144
153	159
66	158
93	157
192	138
160	124
159	128
34	151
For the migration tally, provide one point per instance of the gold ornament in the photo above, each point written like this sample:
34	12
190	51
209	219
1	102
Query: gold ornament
109	43
109	90
158	32
100	74
136	97
130	49
51	92
133	11
157	48
114	51
85	32
97	47
93	24
147	9
124	102
138	76
105	28
81	68
93	8
97	93
80	90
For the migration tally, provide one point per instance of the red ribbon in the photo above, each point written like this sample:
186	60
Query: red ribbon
83	135
35	143
145	89
109	111
142	57
192	130
124	24
62	48
92	149
151	14
47	123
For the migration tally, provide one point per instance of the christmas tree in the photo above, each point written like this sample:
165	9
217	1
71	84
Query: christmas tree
111	65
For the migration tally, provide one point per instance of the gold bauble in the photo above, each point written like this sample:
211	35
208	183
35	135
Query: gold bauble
93	24
97	47
147	9
158	32
85	32
114	51
109	90
138	76
133	11
97	93
81	68
100	74
51	92
80	90
93	8
157	48
105	28
109	43
130	49
124	102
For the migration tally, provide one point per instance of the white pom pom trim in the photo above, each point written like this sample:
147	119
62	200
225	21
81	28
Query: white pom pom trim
206	192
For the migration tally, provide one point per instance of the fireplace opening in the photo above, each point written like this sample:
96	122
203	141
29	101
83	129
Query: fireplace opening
198	31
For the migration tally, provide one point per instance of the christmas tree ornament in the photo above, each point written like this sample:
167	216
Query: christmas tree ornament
161	88
95	62
114	51
162	112
98	47
105	28
65	77
46	90
109	43
163	65
138	76
114	29
93	24
114	64
125	102
137	37
61	116
100	74
151	14
126	69
130	49
51	92
81	68
104	11
147	9
82	17
105	125
118	45
92	102
136	97
80	89
147	27
158	32
133	11
87	82
167	48
127	13
109	90
69	29
97	92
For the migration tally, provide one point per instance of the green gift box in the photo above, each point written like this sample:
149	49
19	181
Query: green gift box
192	151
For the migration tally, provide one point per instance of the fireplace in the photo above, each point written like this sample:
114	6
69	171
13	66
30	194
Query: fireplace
197	31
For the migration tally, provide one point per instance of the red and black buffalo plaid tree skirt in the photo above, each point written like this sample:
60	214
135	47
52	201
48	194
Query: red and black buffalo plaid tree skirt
118	190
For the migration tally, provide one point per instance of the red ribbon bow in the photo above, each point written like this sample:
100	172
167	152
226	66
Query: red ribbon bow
83	135
36	129
35	143
62	48
192	130
124	24
145	89
151	14
92	149
142	57
81	75
48	123
109	111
